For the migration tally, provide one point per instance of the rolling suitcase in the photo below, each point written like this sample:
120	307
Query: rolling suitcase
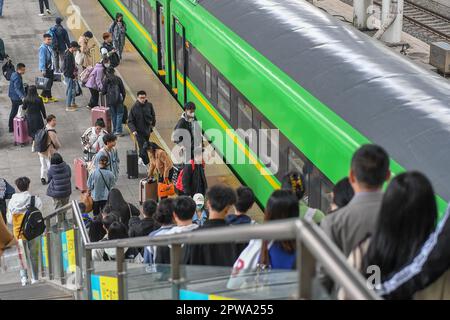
101	112
132	163
81	174
148	190
21	131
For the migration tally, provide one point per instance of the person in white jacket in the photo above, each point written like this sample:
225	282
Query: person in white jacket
17	207
92	139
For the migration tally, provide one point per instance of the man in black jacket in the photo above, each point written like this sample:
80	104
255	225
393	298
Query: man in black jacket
142	227
70	74
188	126
141	121
219	200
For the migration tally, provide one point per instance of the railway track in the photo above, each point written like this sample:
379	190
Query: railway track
424	24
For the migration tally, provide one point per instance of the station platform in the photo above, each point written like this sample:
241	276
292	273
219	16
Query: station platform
22	41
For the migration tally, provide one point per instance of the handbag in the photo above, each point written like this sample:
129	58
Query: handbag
86	199
78	90
166	190
41	83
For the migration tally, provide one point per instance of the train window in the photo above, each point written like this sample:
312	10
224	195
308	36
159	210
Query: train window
180	53
223	101
196	69
295	162
245	115
135	7
154	22
208	80
268	147
326	191
126	3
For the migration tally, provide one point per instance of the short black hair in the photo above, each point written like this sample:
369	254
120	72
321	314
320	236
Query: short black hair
100	122
50	117
342	192
88	34
189	106
56	159
20	65
47	35
220	196
149	208
245	199
164	212
141	93
109	137
109	219
184	208
117	230
23	183
370	165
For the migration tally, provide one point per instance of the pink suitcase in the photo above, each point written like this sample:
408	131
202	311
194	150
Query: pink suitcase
21	131
81	174
101	112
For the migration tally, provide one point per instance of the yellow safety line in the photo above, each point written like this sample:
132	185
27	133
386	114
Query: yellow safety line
136	24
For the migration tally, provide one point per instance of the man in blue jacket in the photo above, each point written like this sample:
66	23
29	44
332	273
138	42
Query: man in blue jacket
47	67
16	93
60	42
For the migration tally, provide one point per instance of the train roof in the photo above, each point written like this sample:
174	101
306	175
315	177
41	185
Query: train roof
386	97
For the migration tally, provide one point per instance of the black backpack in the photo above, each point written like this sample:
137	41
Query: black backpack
40	140
8	69
113	95
33	224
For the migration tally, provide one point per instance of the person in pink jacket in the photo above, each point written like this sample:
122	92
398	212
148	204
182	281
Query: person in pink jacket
95	82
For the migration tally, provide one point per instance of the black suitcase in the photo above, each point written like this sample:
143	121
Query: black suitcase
132	164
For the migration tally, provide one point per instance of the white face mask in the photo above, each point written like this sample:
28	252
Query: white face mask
191	114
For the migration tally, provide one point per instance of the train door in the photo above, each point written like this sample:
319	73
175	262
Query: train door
161	39
179	61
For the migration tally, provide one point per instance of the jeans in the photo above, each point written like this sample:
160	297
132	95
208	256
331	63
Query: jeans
60	202
70	92
116	117
1	7
47	93
13	113
41	5
45	165
93	102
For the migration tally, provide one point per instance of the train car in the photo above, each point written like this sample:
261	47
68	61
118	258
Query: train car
287	65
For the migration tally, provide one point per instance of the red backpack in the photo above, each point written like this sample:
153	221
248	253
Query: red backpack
179	184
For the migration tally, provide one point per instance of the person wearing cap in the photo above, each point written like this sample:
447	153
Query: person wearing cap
70	75
86	49
200	215
60	42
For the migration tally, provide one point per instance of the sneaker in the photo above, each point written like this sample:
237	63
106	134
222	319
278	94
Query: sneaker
43	181
141	162
41	14
24	281
48	12
45	99
33	281
52	99
70	109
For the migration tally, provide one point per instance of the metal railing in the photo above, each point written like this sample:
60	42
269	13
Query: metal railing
313	247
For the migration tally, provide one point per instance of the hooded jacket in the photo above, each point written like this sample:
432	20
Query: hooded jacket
194	130
96	77
59	181
17	207
142	118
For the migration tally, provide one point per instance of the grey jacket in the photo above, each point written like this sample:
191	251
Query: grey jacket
350	225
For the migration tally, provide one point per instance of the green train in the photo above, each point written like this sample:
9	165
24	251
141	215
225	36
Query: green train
270	64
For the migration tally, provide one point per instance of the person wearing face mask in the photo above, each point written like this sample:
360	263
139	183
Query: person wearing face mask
141	121
118	29
188	126
200	215
95	82
92	139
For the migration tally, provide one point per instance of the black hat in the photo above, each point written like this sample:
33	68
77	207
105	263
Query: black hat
74	44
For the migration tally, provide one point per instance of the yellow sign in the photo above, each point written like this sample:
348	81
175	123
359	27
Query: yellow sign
104	288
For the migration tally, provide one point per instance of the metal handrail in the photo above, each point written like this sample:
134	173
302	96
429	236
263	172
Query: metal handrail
307	234
312	245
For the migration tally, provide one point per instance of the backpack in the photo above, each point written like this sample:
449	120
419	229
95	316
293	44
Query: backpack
8	69
84	76
40	140
179	184
52	32
113	96
33	224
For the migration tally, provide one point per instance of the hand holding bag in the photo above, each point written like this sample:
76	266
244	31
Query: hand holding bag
41	83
